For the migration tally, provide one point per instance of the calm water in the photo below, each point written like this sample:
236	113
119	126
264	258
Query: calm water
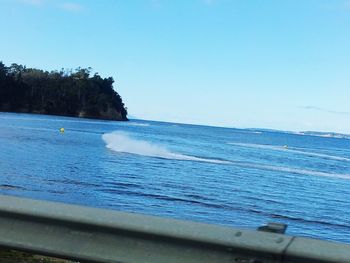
234	177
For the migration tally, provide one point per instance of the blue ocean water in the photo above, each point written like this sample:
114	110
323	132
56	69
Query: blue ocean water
234	177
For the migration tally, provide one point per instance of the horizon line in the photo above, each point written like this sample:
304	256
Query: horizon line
299	132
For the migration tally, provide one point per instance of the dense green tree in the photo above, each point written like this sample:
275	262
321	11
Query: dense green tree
65	92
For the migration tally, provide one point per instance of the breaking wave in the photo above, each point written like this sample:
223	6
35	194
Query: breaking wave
122	142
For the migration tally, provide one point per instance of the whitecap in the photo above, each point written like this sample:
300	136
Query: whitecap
122	142
292	150
138	124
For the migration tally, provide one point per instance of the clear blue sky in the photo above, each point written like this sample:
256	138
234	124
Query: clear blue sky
281	64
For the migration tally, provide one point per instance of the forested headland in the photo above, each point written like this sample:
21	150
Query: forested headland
74	93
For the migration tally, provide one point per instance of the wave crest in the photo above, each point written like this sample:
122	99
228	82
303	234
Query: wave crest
122	142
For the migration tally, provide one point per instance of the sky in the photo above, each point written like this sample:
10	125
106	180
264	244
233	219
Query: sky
278	64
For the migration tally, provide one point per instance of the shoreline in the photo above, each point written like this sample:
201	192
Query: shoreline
68	116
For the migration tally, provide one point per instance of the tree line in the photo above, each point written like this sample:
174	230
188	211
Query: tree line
65	92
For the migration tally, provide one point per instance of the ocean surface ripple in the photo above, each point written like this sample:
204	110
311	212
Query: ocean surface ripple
234	177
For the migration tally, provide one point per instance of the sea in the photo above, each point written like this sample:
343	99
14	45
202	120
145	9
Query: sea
234	177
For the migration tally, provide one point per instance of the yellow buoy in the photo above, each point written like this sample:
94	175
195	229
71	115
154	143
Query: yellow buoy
62	130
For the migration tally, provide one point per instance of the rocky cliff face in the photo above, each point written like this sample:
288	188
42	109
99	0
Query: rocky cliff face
64	93
110	114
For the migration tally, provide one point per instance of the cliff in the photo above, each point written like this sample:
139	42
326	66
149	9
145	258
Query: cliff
66	92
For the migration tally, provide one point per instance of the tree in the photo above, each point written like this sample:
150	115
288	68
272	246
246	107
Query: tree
65	92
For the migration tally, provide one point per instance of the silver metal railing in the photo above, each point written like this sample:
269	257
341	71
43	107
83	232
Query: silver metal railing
98	235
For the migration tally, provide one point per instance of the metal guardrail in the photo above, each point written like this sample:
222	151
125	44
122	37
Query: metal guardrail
97	235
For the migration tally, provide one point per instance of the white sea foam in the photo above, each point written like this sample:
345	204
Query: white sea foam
292	150
249	131
138	124
122	142
291	170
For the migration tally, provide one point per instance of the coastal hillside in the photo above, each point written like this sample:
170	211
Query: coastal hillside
66	92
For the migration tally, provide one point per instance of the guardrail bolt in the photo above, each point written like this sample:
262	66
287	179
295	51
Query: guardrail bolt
274	228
